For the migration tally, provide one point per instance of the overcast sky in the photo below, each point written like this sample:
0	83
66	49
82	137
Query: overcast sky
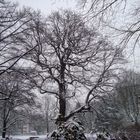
47	6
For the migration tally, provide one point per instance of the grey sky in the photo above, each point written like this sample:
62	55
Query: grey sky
47	6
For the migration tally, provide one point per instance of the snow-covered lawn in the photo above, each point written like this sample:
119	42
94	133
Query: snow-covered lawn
91	136
26	137
43	137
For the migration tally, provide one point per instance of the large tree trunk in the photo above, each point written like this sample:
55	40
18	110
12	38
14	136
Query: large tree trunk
62	104
3	133
62	107
62	95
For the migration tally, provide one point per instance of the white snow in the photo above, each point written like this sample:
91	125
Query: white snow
26	137
91	136
44	137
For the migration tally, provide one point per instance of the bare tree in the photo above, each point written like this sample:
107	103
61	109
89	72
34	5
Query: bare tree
128	95
108	116
101	9
16	96
12	23
131	30
71	58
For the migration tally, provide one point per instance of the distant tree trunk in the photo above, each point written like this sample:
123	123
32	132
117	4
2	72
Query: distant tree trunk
47	103
137	125
4	119
4	129
136	122
47	121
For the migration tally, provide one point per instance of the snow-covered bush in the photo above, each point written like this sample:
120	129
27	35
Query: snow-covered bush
72	130
103	136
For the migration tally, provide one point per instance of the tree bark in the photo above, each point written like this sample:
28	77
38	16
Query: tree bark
62	94
62	103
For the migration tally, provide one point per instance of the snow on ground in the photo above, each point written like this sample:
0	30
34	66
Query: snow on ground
43	137
27	137
91	136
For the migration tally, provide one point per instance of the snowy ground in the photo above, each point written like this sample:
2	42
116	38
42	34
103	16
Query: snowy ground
91	136
26	137
43	137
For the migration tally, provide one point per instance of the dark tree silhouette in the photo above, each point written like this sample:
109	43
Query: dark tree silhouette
71	59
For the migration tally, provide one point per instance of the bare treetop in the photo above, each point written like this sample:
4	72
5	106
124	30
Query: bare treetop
71	57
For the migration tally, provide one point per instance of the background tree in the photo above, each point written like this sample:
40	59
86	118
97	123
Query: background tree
108	115
12	23
129	97
87	119
103	10
120	109
104	116
107	11
37	122
16	95
49	110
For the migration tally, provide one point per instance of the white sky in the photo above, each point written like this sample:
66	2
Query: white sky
47	6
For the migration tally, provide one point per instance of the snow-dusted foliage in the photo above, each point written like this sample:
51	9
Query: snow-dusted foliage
105	136
72	130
